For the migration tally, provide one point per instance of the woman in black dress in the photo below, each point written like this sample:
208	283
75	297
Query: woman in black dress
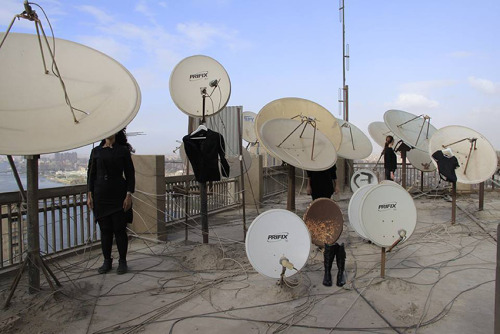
390	162
111	182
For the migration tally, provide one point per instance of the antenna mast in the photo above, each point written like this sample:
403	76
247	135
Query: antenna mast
345	64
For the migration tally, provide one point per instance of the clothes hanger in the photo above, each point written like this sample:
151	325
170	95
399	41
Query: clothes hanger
448	152
201	127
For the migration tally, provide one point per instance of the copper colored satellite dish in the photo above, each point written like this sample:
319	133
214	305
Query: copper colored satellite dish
355	144
292	107
475	154
324	221
35	116
415	131
194	77
305	148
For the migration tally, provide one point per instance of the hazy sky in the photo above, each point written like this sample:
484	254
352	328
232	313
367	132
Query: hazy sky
439	58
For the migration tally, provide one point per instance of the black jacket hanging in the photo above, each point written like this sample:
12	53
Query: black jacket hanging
203	149
446	166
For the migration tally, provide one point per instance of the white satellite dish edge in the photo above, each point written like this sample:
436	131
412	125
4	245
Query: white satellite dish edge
277	240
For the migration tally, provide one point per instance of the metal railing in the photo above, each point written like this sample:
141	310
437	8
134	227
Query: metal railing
64	222
275	180
183	196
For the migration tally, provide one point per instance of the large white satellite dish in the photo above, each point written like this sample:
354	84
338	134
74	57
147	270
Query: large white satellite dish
353	210
361	178
275	235
355	144
296	147
292	107
35	117
249	126
379	131
421	160
382	213
415	131
476	156
387	212
198	78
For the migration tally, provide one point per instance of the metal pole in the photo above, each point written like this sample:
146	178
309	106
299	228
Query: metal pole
481	196
382	263
421	181
33	228
290	203
242	175
497	287
453	202
204	209
403	168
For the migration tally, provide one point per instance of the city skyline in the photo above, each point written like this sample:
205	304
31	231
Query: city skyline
426	57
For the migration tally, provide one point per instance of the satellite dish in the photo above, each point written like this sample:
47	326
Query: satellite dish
353	209
292	107
421	160
385	212
275	234
415	131
355	144
296	147
475	154
379	131
361	178
35	117
194	77
234	164
324	220
249	126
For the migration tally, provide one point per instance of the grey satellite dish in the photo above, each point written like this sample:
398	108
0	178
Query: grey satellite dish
361	178
415	131
475	154
384	213
353	210
297	108
234	163
35	117
296	147
387	212
249	126
274	236
196	78
379	131
355	144
421	160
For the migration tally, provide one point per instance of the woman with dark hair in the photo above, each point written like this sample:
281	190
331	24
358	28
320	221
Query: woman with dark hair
390	161
111	182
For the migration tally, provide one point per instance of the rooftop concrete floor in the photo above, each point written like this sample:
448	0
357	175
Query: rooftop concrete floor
441	280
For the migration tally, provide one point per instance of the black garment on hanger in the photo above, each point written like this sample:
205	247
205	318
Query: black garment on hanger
203	150
446	166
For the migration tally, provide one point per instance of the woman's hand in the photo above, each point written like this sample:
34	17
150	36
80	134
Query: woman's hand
90	202
127	203
392	176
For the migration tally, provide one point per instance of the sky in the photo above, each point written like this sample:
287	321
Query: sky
438	58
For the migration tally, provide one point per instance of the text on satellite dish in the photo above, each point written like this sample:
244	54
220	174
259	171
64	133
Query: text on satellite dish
198	76
277	237
387	206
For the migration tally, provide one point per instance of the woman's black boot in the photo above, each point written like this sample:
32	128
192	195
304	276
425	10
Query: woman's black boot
341	255
106	266
328	257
